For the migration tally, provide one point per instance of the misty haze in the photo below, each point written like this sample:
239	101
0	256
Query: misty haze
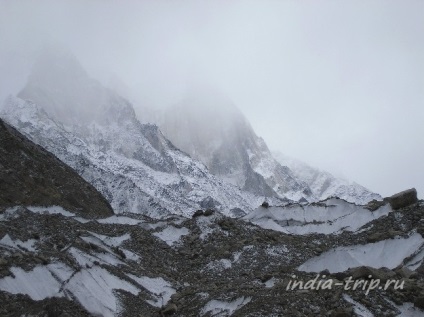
188	158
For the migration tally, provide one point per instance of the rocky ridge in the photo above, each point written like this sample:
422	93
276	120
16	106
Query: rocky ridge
96	132
32	176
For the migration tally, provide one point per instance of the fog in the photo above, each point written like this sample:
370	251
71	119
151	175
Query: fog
337	84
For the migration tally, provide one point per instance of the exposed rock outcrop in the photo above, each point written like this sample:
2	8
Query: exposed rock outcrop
403	199
29	175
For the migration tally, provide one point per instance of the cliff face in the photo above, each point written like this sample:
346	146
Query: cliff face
208	126
31	176
96	132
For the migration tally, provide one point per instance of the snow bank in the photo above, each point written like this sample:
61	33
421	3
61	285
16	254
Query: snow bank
18	244
93	288
51	210
224	308
111	241
387	253
161	289
120	220
335	215
171	234
85	259
37	284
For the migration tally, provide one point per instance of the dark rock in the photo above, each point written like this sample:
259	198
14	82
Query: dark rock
405	272
403	199
365	272
419	302
169	309
30	175
341	313
377	236
373	205
209	212
237	212
198	213
265	204
209	203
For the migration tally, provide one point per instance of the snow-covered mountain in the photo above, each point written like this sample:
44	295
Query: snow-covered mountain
64	253
324	184
95	131
207	125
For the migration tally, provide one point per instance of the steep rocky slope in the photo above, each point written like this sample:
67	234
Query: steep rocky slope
29	175
58	262
96	132
208	126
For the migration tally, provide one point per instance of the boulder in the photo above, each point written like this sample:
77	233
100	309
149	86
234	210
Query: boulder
403	199
198	213
419	302
373	205
405	272
169	309
209	212
364	272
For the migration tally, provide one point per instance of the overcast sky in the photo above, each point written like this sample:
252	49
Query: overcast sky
337	84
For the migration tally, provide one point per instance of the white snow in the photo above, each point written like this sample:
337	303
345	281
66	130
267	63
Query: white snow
85	259
94	288
131	255
406	309
204	224
60	271
409	310
271	282
81	219
323	184
417	260
37	284
221	308
171	234
121	156
51	210
161	289
387	253
111	241
334	216
18	244
359	309
120	220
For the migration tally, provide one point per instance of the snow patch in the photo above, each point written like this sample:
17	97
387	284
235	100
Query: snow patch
270	283
89	260
18	244
332	216
171	235
37	284
120	220
94	289
161	289
221	308
51	210
111	241
387	253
